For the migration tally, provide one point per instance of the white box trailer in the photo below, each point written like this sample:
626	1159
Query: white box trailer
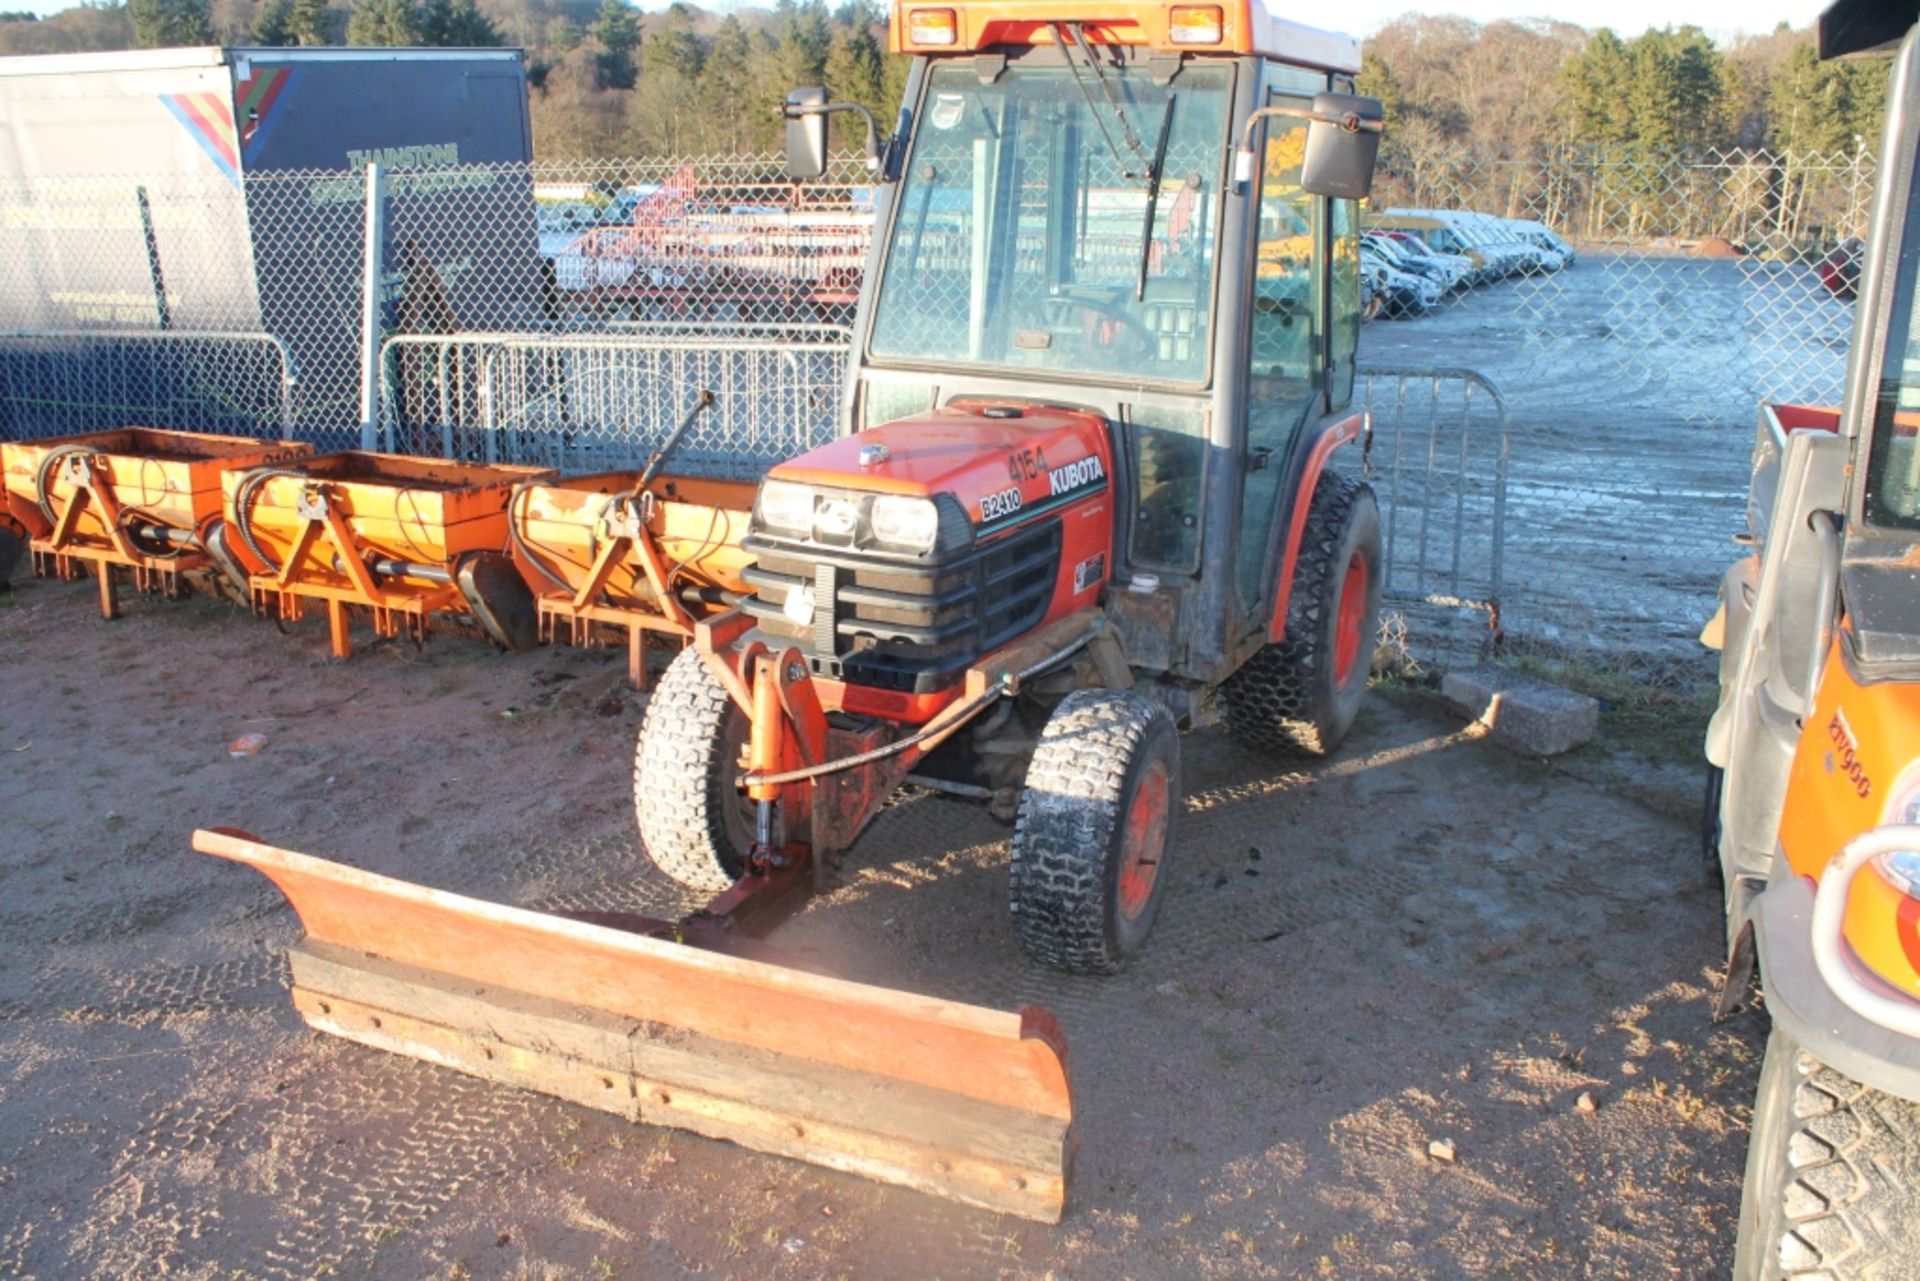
222	189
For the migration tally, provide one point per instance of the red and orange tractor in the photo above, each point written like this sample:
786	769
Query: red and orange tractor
1100	480
1814	798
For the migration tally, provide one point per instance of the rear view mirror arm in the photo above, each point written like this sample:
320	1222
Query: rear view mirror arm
871	153
1348	122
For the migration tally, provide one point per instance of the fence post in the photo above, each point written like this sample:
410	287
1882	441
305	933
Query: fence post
163	313
373	282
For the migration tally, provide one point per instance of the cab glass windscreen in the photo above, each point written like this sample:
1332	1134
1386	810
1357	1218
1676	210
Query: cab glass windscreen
1059	226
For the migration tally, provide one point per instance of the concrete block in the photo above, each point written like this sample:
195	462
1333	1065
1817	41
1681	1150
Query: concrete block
1522	712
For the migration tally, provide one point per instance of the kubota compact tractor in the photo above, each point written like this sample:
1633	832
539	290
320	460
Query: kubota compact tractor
1091	490
1084	497
1814	803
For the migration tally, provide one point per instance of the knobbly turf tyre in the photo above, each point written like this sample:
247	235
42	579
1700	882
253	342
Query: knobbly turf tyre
1094	830
1833	1170
1300	694
694	823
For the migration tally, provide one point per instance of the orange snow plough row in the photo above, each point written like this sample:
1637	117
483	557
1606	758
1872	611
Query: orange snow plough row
528	556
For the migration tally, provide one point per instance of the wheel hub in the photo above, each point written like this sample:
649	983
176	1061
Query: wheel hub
1351	618
1146	839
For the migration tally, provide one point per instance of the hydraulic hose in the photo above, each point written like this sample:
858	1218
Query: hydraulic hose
43	477
515	509
243	496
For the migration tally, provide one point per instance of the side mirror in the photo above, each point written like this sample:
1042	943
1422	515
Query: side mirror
1343	141
807	133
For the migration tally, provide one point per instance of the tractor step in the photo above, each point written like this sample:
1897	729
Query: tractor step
954	1100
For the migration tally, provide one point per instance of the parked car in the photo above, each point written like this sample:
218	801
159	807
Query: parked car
1451	271
1406	293
1464	267
1439	235
1538	233
1840	269
1373	287
1526	257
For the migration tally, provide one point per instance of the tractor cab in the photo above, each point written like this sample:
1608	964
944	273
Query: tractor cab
1104	208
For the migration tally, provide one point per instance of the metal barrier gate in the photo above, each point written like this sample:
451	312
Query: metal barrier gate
593	402
62	382
1439	467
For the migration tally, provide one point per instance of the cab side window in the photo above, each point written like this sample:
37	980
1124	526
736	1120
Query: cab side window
1285	365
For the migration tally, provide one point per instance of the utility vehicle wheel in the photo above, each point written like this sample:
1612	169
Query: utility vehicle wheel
1094	831
1301	694
1833	1169
695	823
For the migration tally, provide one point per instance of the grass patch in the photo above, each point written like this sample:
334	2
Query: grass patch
1658	713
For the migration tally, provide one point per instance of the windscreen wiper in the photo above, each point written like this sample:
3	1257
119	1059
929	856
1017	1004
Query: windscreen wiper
1062	30
1153	197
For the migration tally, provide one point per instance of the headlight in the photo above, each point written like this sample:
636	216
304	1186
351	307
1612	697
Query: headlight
785	505
1902	869
911	523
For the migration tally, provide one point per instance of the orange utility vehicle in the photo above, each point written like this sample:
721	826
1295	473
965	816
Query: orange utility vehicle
645	553
1099	481
401	539
137	501
1814	801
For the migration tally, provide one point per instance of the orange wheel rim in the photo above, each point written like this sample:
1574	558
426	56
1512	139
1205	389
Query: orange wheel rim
1145	840
1351	618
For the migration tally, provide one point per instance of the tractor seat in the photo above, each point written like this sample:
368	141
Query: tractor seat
1171	310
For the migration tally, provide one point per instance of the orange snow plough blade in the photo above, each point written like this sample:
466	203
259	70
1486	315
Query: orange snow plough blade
955	1100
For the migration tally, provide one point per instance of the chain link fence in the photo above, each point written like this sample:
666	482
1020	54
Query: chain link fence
1700	287
1561	444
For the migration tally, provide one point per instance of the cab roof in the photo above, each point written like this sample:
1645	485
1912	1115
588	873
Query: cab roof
1850	27
1246	26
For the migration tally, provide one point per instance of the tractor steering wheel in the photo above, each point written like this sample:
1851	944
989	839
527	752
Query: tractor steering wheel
1146	343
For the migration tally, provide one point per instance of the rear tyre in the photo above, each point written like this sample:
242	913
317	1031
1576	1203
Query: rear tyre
1300	694
695	823
1833	1168
1094	831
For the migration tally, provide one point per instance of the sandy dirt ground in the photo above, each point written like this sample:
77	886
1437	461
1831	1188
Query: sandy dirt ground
1425	938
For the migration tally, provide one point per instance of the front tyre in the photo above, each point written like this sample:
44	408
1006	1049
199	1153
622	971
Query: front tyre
695	823
1833	1170
1094	831
1300	694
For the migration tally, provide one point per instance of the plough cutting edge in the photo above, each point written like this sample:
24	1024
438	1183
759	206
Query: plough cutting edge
954	1100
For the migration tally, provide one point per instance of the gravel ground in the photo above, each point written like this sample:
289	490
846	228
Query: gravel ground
1426	939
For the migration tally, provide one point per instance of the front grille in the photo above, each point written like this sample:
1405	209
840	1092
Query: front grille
906	627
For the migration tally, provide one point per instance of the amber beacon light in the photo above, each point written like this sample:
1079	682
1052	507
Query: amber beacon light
1194	24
